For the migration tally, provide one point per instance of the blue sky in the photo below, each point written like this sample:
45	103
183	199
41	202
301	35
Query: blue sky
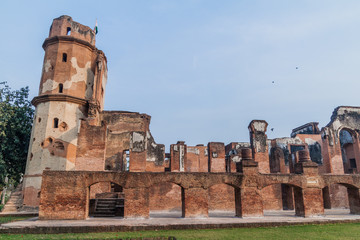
204	69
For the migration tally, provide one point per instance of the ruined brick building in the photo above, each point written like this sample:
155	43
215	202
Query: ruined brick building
80	153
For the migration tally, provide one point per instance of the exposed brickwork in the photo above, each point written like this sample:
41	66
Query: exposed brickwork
67	199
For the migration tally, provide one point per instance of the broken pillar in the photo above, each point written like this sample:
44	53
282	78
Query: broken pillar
308	200
216	157
258	138
178	156
248	199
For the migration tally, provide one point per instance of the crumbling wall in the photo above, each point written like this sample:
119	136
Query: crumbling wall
91	147
178	156
216	155
233	155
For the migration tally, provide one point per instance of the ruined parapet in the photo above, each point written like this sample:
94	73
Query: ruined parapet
308	128
196	158
71	88
258	142
305	165
233	155
178	156
247	164
282	154
129	143
65	26
216	157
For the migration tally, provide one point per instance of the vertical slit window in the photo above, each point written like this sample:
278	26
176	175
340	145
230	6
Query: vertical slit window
61	87
56	122
68	31
64	57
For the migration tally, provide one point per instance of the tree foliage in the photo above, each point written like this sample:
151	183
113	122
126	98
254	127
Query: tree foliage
16	114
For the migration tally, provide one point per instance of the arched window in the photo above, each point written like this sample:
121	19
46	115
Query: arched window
68	31
64	57
56	122
61	87
347	150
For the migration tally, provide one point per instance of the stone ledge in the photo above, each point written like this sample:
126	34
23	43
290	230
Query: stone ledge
147	227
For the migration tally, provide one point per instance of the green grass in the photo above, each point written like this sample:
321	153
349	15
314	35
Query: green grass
329	231
11	219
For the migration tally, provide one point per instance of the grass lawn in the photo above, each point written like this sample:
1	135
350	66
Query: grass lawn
329	231
11	219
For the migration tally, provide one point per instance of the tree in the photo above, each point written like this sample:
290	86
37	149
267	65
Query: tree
16	116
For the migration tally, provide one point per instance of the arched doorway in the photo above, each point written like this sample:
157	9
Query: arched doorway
346	201
272	197
106	199
221	200
348	151
285	200
165	200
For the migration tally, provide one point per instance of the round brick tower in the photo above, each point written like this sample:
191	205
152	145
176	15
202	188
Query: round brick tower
72	88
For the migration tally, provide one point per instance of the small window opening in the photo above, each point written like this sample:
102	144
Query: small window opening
61	86
352	163
68	31
126	158
64	59
56	122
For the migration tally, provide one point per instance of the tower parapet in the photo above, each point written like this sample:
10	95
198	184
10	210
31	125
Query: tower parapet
65	26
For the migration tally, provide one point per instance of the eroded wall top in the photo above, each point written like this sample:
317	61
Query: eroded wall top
65	26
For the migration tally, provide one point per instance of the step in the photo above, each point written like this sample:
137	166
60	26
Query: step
15	197
106	202
106	205
104	212
104	215
9	210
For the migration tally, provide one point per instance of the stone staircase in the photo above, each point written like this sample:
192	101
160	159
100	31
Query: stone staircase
15	201
105	207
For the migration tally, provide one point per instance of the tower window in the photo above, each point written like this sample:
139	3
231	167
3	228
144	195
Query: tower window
56	122
68	31
352	163
61	86
64	58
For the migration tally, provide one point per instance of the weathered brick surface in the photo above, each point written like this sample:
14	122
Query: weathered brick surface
216	157
64	193
221	197
195	202
136	203
165	197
